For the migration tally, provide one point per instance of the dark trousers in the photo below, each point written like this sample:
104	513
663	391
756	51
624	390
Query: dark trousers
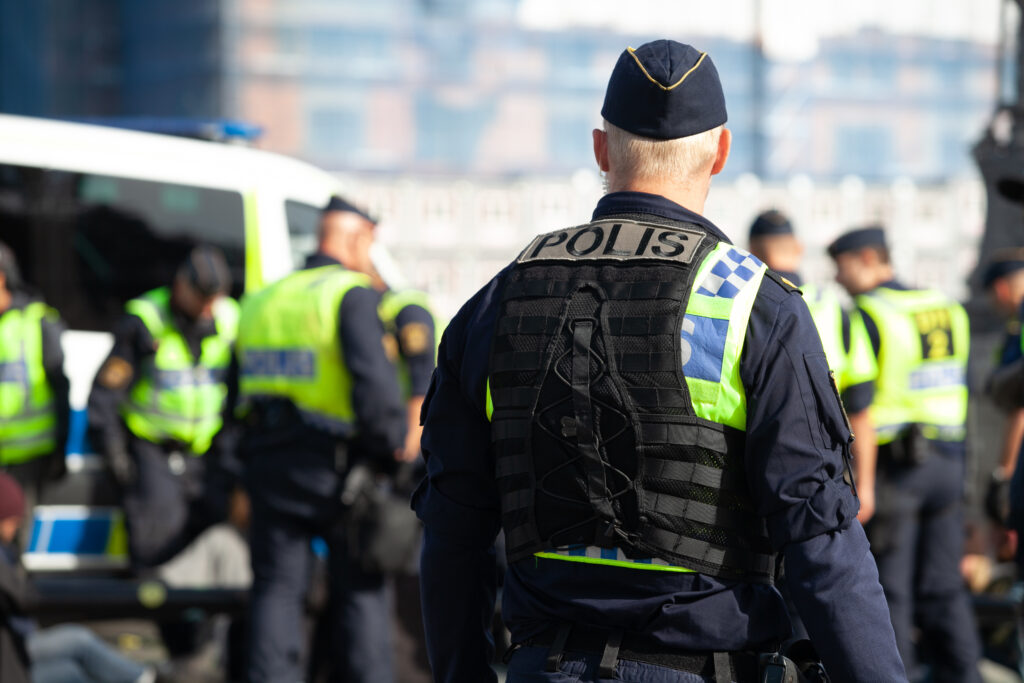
171	501
284	523
917	537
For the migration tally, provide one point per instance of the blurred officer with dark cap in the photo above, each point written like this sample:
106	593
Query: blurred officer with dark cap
34	409
1003	279
320	399
920	338
843	337
157	403
646	411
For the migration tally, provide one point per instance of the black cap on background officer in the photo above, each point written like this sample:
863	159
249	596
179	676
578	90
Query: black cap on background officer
201	279
773	240
1003	279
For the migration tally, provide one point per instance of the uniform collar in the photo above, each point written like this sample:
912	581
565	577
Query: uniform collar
19	300
642	202
320	259
893	284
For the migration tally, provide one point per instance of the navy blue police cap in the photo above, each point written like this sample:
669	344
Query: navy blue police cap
873	236
1002	263
771	222
664	90
338	204
206	270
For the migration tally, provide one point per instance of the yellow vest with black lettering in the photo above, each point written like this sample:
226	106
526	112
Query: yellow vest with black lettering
850	366
28	417
922	363
288	346
178	397
391	304
617	411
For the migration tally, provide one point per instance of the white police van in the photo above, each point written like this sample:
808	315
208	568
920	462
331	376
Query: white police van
98	215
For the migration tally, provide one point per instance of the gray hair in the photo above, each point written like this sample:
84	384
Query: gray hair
632	157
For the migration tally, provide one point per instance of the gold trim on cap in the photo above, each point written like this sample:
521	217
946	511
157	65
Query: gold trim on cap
651	78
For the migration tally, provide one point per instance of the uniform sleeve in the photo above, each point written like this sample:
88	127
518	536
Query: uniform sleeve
458	503
416	343
796	441
376	397
115	378
53	364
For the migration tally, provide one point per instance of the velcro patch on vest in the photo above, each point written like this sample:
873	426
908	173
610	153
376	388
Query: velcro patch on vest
617	240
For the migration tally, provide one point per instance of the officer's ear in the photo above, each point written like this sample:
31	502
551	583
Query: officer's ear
722	155
601	149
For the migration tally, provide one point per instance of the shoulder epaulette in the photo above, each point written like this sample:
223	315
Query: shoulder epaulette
785	283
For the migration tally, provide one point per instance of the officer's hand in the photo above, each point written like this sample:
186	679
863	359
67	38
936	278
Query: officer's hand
867	503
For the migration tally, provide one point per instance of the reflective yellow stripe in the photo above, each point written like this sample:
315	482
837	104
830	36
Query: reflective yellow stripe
615	563
489	401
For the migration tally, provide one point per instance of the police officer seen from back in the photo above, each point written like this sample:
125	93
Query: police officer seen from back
34	410
1003	279
646	411
843	338
156	407
920	338
319	397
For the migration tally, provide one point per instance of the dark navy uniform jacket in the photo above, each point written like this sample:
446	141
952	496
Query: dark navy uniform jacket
795	476
856	397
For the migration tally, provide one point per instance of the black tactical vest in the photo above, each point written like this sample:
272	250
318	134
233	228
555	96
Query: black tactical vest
595	435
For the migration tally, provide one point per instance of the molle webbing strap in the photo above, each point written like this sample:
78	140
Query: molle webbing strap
597	486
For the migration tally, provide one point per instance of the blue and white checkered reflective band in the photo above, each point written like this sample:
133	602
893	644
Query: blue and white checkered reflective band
734	269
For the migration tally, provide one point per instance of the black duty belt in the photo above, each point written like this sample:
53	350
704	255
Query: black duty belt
628	646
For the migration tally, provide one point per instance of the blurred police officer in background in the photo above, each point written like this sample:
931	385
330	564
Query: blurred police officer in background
320	398
34	409
156	407
647	412
1003	279
920	338
843	337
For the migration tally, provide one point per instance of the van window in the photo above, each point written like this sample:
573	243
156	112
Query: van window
303	222
88	243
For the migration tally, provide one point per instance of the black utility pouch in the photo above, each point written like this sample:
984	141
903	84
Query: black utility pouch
910	450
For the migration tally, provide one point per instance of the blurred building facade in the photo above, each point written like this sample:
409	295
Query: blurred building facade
453	86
